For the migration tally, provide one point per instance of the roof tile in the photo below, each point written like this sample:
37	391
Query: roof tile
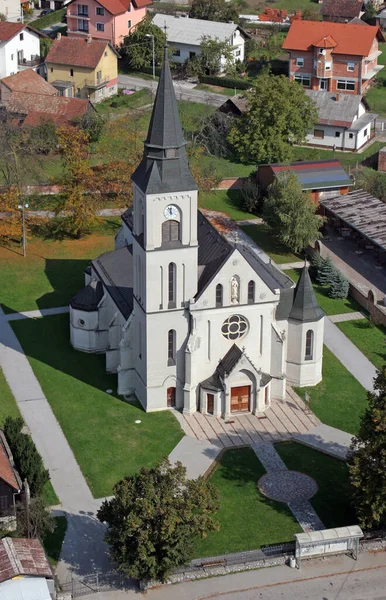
7	472
21	556
346	9
76	52
29	81
36	107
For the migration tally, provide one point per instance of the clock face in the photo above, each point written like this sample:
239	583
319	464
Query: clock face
171	212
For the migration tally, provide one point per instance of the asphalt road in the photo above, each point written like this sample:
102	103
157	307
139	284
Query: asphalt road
184	91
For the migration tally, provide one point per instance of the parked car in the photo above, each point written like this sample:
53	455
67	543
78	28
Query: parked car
46	11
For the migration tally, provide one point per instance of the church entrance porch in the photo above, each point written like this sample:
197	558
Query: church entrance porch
240	398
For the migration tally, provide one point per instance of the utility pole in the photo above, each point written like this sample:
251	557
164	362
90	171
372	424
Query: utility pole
149	35
22	208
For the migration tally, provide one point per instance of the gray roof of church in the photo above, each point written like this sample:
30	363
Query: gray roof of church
157	172
88	298
305	306
115	270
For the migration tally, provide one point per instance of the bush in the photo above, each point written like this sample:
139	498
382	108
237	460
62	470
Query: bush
316	263
227	82
250	196
339	286
50	19
326	272
27	459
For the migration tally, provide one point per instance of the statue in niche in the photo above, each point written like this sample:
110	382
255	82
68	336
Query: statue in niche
235	290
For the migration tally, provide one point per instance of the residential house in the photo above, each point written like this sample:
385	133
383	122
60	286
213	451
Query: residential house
10	486
83	67
109	20
320	178
235	105
185	36
341	11
24	570
11	9
343	121
333	56
19	48
27	100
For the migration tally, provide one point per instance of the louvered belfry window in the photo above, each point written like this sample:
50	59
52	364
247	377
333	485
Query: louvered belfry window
170	231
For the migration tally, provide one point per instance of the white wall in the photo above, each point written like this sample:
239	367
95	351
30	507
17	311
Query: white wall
30	45
185	49
11	9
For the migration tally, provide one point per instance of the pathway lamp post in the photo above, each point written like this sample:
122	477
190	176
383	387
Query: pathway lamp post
22	208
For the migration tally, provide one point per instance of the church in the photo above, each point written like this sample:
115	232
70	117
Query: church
187	316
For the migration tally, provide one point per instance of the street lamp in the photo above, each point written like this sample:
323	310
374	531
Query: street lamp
22	208
149	35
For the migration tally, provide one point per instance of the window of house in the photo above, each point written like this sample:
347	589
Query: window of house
100	11
350	66
100	26
319	133
82	25
251	292
171	347
309	345
350	135
129	23
365	132
52	69
12	56
172	285
337	134
21	36
304	80
300	61
170	231
192	55
238	52
99	75
327	66
3	502
346	84
106	53
219	294
71	72
321	51
83	10
176	52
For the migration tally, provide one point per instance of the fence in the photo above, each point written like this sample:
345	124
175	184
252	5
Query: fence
94	583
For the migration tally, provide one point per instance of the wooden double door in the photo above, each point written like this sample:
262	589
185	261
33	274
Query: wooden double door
240	398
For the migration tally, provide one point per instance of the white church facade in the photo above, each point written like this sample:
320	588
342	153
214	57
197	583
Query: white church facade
186	317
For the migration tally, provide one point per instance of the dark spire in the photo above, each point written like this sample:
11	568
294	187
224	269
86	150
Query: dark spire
305	307
164	167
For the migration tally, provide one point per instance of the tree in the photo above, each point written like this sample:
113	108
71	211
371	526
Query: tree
204	173
326	272
290	213
213	52
10	225
43	137
3	17
312	13
370	11
77	200
279	114
92	123
40	520
138	49
367	459
316	263
373	182
339	286
154	518
215	10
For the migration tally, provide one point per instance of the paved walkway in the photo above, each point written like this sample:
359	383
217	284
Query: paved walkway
293	265
329	440
351	316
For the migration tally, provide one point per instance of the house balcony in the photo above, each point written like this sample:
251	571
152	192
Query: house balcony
77	30
322	73
96	84
28	64
75	15
372	73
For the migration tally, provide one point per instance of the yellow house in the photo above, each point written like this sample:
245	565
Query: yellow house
83	68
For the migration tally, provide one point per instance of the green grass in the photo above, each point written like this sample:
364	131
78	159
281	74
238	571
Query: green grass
248	520
262	235
348	159
228	167
53	542
122	103
338	400
228	201
49	495
376	96
8	406
99	427
331	306
332	501
216	89
369	338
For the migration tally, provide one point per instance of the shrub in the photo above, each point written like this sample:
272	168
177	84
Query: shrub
250	196
339	286
50	19
316	263
228	82
326	272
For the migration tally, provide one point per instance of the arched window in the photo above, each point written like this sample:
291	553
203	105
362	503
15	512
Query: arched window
172	285
219	294
171	347
309	345
170	231
251	292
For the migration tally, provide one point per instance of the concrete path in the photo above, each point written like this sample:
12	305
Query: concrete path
293	265
329	440
35	314
351	316
349	355
196	455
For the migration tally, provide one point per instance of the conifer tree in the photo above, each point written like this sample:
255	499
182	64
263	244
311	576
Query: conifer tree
339	286
326	272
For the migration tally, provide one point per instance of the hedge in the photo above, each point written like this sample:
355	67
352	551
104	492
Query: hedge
50	19
149	70
228	82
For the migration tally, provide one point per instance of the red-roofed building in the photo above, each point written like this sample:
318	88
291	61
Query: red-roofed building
10	486
333	57
108	20
19	48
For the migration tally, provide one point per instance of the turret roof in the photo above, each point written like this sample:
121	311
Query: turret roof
305	306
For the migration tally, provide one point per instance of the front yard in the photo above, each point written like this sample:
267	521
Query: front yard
227	201
338	400
99	427
369	338
262	235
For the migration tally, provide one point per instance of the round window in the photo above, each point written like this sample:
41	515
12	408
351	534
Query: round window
235	327
81	323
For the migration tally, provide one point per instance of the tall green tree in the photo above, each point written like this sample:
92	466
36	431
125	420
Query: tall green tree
216	10
138	48
212	52
290	213
154	518
374	182
279	114
367	461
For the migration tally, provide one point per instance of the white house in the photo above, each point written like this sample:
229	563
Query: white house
343	122
187	315
185	35
19	49
11	9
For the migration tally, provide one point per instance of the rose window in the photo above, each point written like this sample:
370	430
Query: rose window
234	327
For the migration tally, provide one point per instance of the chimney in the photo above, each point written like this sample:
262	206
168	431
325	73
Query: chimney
58	36
89	38
337	97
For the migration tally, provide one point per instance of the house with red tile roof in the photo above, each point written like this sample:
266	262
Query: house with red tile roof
10	486
333	57
83	68
109	20
341	11
19	48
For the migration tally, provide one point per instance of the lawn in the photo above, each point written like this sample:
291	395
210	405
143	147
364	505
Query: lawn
8	406
124	103
290	5
99	427
228	167
348	159
332	501
52	272
217	89
338	400
248	520
376	96
331	306
369	338
227	201
262	235
53	542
